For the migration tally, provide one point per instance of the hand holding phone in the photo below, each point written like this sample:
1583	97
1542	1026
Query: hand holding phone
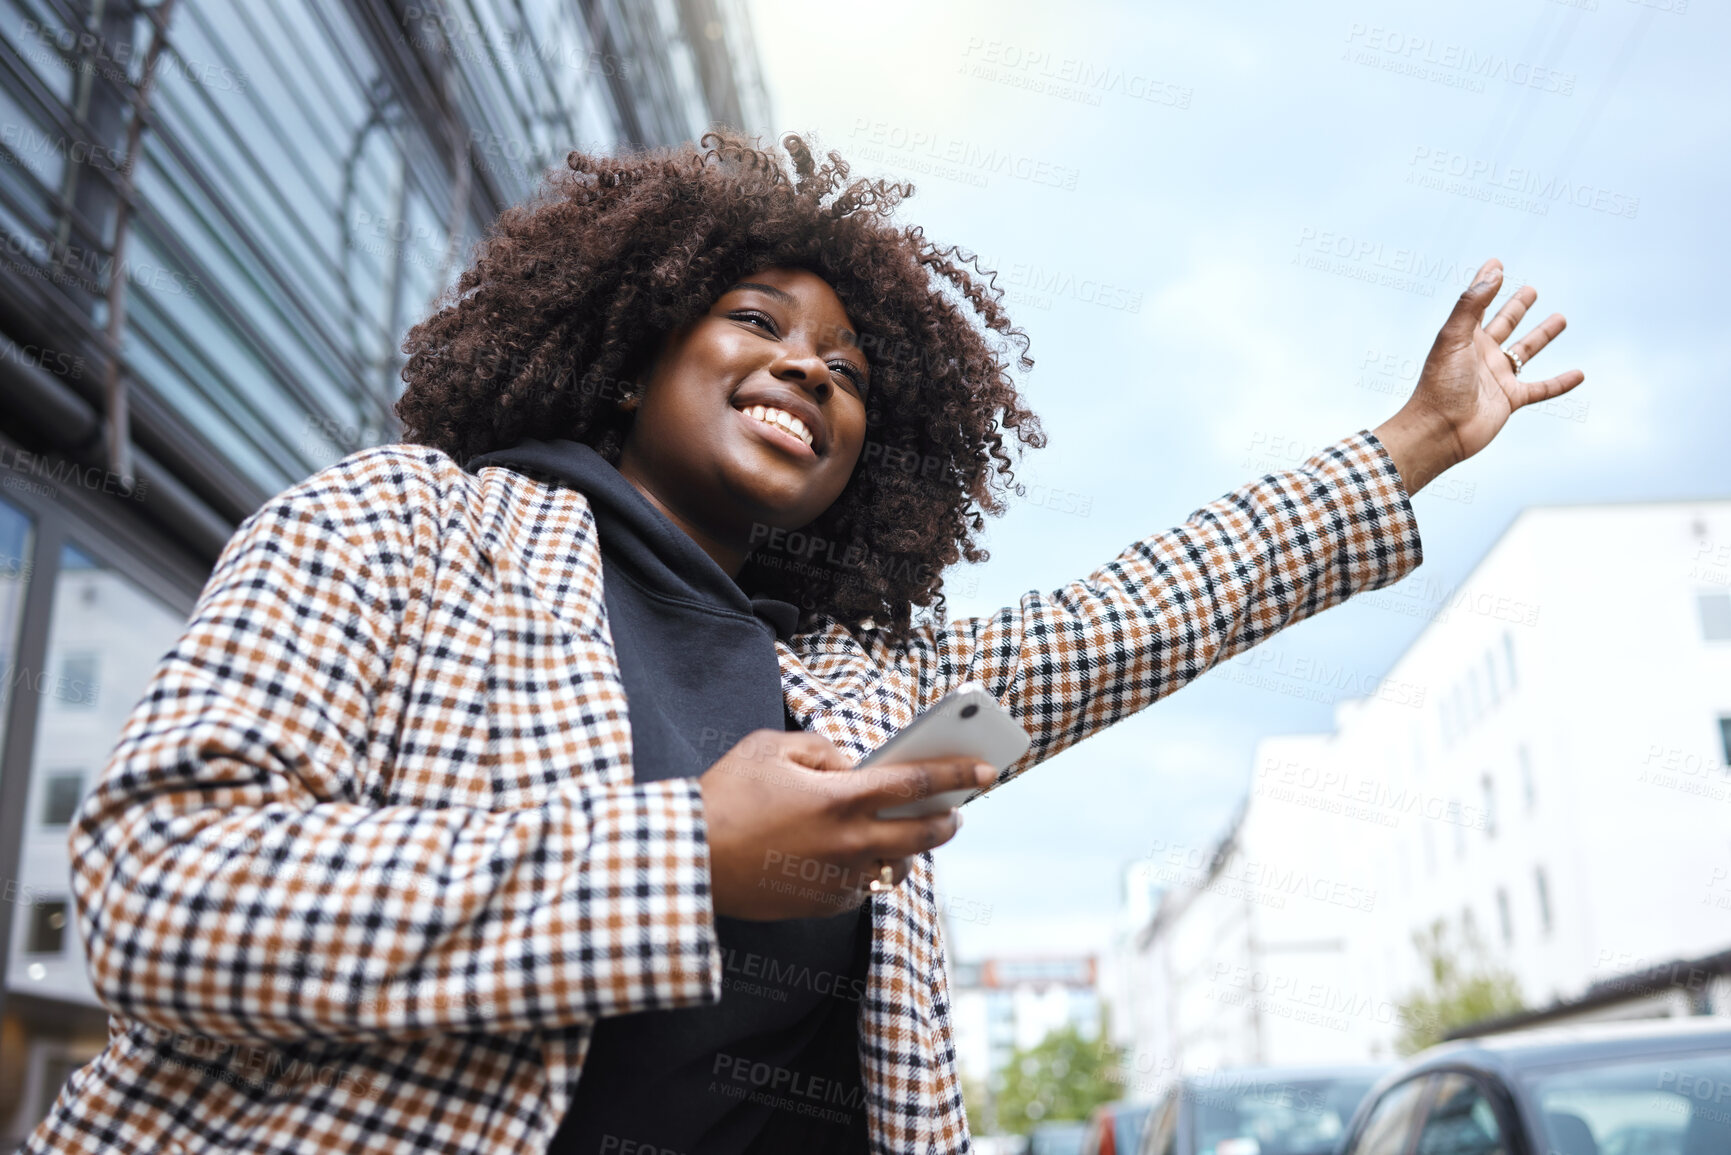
966	723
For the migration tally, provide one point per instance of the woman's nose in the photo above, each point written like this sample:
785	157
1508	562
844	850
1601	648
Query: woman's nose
808	369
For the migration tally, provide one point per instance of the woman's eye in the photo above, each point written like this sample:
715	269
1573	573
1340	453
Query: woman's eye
762	319
850	372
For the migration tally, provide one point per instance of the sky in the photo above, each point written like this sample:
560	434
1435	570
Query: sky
1231	233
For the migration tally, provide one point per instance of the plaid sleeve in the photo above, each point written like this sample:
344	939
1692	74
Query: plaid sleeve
232	879
1289	545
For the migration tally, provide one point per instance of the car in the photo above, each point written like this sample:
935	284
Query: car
1657	1087
1115	1129
1258	1111
1057	1139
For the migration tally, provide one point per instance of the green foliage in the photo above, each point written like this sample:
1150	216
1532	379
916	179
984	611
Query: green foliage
1464	988
1064	1076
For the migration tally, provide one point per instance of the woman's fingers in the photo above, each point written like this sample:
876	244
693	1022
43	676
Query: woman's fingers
813	751
1538	337
897	783
1537	391
1500	326
906	837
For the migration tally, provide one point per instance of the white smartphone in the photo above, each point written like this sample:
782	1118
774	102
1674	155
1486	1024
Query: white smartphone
967	723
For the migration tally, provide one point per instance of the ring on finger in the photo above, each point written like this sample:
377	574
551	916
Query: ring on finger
1515	361
886	879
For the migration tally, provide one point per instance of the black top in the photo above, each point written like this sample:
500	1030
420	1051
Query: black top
774	1065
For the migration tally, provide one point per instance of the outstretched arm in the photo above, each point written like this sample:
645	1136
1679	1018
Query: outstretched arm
1283	548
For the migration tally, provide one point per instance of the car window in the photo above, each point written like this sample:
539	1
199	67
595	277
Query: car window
1162	1136
1675	1105
1461	1121
1389	1127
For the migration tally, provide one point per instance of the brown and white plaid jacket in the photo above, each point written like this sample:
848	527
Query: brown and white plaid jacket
368	857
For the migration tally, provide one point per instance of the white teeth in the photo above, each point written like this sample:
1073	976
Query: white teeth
781	418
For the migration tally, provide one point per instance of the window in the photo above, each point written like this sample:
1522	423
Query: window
1653	1106
47	933
14	577
1488	789
1504	918
1461	1121
1526	760
1715	608
1389	1126
77	685
60	796
1474	695
1509	657
1544	888
1491	677
1457	819
1725	739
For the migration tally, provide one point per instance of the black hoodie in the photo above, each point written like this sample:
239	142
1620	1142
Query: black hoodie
774	1065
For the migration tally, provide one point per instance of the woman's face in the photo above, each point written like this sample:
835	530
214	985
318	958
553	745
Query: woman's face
752	417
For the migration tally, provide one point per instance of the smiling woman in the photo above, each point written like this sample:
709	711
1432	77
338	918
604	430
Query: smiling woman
542	722
685	274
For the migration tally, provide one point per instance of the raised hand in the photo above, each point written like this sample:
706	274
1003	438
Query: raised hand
1468	388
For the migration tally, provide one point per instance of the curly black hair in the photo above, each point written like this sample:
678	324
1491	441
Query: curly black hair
572	293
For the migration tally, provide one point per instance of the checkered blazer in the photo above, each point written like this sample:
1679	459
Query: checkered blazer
368	858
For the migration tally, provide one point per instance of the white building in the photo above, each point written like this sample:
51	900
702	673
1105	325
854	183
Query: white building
1545	768
1001	1005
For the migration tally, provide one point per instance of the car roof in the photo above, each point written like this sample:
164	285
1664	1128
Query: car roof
1370	1071
1576	1043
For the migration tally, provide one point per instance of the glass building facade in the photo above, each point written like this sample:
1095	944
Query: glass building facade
206	279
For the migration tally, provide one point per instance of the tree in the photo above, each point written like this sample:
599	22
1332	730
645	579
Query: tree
1063	1076
1464	988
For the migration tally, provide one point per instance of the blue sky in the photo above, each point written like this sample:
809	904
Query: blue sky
1231	233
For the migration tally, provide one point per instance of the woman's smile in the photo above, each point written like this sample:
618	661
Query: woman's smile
753	414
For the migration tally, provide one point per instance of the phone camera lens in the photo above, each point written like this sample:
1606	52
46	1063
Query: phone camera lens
970	711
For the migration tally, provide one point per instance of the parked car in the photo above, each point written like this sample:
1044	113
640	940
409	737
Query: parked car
1258	1111
1057	1139
1115	1129
1661	1087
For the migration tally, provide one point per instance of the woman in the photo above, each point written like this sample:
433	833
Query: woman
497	797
